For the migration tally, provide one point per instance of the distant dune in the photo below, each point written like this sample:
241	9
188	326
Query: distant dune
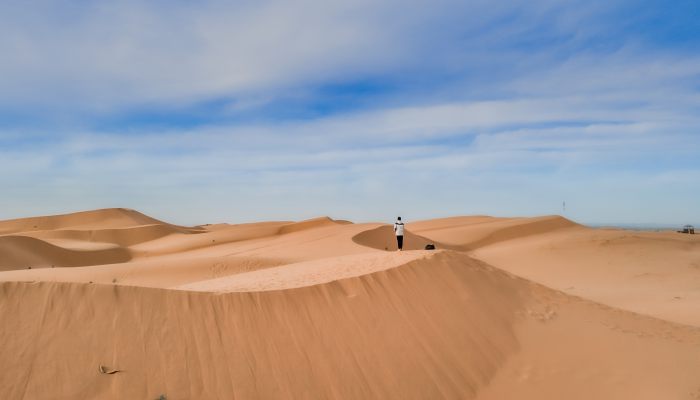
118	305
103	219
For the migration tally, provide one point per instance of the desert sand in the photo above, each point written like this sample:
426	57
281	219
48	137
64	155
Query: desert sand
113	304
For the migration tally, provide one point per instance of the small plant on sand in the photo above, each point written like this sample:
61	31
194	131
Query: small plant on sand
162	397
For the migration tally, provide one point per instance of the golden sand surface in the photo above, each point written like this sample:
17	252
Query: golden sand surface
113	304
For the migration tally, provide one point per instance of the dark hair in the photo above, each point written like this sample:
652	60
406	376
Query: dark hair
399	218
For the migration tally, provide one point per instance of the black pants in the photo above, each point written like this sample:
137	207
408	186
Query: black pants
399	240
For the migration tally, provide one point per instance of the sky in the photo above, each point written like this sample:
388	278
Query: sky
239	111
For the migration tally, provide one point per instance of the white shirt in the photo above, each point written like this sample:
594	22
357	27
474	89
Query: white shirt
398	227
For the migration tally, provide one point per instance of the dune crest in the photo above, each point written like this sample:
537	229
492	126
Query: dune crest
383	238
310	224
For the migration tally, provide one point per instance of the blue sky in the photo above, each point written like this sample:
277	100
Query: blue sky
240	111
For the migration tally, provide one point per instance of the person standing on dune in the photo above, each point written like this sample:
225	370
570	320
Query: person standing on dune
398	229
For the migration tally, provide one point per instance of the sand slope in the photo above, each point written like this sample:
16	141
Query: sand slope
322	309
346	338
26	252
654	273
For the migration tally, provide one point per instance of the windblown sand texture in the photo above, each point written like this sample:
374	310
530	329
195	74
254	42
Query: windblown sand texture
112	304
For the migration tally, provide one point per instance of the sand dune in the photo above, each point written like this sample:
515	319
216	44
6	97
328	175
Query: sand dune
101	219
20	252
124	237
506	308
322	341
468	233
310	224
80	239
654	273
